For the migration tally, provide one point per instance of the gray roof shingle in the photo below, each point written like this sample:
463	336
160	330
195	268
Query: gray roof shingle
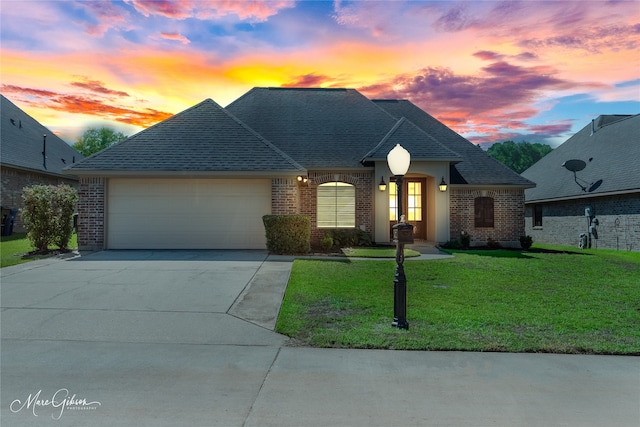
203	138
476	167
320	128
22	143
611	155
423	147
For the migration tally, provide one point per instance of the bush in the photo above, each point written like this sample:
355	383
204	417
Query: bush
526	242
288	234
452	244
465	240
493	244
326	243
48	215
349	237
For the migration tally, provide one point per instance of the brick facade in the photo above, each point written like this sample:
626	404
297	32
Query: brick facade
14	180
363	182
91	213
284	196
564	221
508	216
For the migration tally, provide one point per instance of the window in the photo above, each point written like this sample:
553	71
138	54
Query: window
414	201
393	201
336	205
483	208
537	215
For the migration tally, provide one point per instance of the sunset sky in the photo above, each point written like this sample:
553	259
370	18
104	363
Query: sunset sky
492	71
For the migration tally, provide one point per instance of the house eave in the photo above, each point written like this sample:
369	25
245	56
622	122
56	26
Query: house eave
582	196
491	186
187	174
63	175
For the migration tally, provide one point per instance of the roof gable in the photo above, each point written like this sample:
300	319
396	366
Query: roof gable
22	143
422	146
203	138
476	167
610	148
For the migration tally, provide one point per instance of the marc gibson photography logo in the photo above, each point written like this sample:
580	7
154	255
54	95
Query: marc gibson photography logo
59	402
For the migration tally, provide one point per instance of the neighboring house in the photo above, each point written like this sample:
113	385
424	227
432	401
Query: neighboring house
606	156
29	154
205	177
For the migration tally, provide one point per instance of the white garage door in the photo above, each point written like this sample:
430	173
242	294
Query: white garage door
187	213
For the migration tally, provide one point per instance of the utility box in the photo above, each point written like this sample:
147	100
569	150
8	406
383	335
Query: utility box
403	233
8	218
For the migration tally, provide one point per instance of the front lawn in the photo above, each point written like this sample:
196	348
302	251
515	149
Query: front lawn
502	300
15	249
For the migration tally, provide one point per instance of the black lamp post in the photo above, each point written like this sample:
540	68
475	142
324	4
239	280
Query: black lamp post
399	160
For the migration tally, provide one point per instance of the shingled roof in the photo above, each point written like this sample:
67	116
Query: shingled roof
610	148
22	143
423	147
203	138
320	128
476	167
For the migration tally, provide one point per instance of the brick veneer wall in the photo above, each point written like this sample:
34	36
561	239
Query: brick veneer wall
508	224
284	196
91	213
363	182
562	222
14	180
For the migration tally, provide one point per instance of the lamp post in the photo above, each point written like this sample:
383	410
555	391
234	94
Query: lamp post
399	160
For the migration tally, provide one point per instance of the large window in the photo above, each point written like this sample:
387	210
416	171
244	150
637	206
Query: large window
336	205
483	208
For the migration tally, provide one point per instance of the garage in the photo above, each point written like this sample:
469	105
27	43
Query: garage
158	213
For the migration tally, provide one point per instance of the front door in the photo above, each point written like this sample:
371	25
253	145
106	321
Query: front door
413	205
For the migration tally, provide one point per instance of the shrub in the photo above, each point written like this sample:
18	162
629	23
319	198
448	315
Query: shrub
348	237
526	242
326	243
47	215
493	244
465	240
288	234
452	244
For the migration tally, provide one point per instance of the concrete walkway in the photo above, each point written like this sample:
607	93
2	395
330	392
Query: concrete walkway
173	338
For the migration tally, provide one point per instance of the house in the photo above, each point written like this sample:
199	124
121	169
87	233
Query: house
29	154
205	177
594	174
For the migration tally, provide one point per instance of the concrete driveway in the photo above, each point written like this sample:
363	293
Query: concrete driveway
166	338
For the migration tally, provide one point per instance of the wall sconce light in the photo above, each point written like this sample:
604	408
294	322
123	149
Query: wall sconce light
302	179
443	185
383	185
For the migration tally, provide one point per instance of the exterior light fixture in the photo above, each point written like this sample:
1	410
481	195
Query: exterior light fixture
383	185
302	179
443	185
399	160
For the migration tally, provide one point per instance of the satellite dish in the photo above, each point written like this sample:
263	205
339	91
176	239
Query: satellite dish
594	186
574	165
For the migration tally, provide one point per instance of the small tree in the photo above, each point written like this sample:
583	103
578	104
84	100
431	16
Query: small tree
97	139
47	214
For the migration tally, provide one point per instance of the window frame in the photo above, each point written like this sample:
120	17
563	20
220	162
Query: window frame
484	212
342	209
536	216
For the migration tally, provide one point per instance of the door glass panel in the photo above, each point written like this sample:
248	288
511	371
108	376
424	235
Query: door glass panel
414	202
393	201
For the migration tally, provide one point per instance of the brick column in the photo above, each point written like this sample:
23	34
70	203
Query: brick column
91	213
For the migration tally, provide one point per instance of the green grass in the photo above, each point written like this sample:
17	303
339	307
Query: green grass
14	249
512	301
359	252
